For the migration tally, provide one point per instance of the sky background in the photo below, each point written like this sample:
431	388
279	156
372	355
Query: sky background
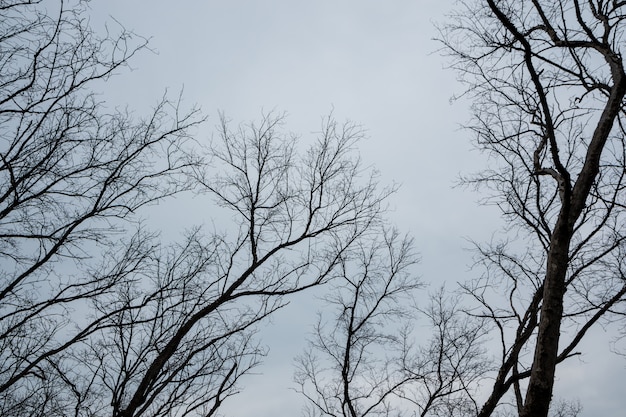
373	62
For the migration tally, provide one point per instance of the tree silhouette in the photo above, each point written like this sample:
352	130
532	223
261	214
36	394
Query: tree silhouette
98	316
548	84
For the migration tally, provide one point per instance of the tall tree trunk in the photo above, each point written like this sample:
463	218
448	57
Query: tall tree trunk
539	393
541	383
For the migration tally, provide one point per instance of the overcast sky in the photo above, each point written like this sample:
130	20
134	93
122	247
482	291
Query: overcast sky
374	62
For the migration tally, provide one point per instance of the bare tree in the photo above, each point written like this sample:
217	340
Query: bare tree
71	177
548	84
297	215
97	315
368	359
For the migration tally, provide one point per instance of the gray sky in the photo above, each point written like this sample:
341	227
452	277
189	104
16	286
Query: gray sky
373	62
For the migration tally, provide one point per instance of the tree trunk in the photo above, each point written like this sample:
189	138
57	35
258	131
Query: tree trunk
539	393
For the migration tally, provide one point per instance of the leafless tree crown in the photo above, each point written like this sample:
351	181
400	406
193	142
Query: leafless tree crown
547	82
97	315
